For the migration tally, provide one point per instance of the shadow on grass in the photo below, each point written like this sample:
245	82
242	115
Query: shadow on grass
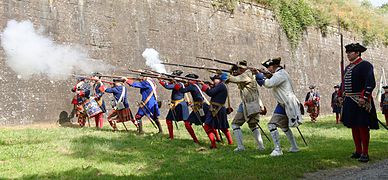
79	173
155	157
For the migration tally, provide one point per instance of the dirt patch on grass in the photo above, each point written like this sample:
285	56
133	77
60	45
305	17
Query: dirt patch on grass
377	170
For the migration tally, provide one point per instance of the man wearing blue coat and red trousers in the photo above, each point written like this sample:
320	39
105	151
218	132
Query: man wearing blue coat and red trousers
148	105
216	116
179	110
359	112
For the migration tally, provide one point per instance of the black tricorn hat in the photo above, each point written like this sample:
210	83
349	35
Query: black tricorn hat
242	64
385	87
336	86
96	74
216	76
312	87
80	78
118	80
270	62
355	47
194	76
177	72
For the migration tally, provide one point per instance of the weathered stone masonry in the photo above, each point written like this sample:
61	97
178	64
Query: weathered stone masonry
118	31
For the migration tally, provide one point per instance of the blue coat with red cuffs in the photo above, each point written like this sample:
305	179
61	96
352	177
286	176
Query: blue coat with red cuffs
218	95
359	82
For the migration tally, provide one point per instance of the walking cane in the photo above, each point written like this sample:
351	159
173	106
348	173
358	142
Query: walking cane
301	135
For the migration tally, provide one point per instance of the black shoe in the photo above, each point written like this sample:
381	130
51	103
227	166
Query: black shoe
364	158
355	155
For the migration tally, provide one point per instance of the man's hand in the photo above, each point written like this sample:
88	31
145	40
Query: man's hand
254	71
340	100
361	101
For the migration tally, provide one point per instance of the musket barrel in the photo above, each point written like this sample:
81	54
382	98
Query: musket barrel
216	60
195	67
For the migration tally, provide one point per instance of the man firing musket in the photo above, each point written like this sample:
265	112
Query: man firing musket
121	111
179	110
199	106
148	105
287	112
82	91
216	116
251	105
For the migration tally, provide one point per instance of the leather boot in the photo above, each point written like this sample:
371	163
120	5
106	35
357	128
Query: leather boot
157	122
140	124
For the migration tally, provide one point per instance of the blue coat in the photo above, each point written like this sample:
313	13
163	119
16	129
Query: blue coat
194	91
116	91
334	103
195	117
181	110
360	79
218	94
384	103
98	95
152	105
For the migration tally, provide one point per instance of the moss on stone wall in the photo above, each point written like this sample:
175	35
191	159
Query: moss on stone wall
295	16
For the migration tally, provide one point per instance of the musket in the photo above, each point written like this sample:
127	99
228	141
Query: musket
88	78
180	77
342	57
213	70
155	74
216	60
234	65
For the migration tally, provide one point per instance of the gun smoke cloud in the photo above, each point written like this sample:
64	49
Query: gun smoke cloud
28	52
153	60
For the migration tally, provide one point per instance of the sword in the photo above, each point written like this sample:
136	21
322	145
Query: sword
263	131
174	116
219	132
148	117
301	135
381	123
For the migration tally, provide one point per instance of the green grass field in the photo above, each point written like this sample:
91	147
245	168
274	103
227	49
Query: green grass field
86	153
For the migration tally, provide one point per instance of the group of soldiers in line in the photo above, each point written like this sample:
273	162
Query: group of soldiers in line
212	115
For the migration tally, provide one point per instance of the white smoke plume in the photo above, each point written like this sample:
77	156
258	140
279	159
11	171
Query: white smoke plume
28	52
153	61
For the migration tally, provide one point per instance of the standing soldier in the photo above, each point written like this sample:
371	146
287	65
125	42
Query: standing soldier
249	109
148	105
179	110
335	104
216	117
384	104
120	111
312	103
97	95
82	90
199	106
287	112
358	109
